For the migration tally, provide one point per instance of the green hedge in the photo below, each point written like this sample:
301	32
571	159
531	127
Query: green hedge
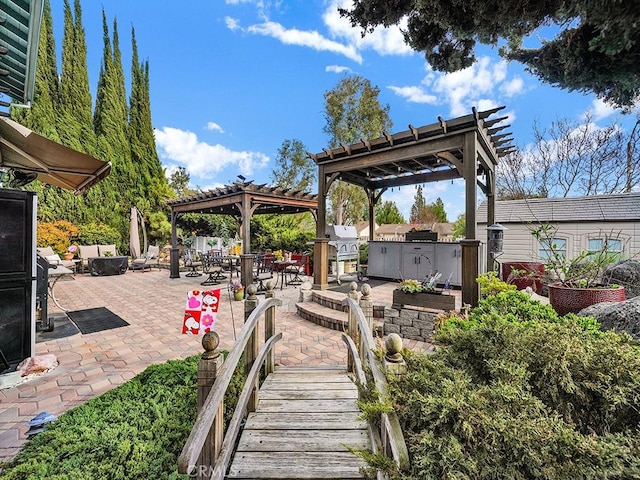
135	431
515	392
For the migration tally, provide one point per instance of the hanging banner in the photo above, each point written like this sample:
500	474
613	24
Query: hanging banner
200	311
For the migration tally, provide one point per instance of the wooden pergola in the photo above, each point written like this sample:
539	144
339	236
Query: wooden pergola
467	147
241	200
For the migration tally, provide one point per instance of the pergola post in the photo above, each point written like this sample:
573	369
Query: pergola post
470	267
491	210
321	243
470	246
174	256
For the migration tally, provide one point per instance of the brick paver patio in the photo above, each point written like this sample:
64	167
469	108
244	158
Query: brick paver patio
153	305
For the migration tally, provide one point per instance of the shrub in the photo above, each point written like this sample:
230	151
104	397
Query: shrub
490	284
520	393
57	235
98	234
135	431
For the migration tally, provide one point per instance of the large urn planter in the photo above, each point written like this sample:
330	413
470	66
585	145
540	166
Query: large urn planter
435	300
524	274
571	300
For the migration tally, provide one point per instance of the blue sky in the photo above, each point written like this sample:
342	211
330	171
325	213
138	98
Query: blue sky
232	79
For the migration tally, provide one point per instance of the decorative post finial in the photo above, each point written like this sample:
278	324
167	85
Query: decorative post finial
393	344
210	342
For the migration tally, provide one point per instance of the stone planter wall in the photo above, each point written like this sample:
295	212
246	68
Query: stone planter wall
411	324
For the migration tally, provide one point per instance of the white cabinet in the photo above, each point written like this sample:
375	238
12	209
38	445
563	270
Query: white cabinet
384	259
418	260
449	263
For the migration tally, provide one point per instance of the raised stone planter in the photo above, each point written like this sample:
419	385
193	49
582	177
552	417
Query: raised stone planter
435	300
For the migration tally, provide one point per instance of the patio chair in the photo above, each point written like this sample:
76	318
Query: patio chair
297	270
212	266
107	250
85	252
191	262
262	270
54	259
150	259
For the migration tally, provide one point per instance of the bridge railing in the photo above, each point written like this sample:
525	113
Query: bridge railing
386	435
206	453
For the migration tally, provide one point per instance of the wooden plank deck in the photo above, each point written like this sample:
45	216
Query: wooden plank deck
305	418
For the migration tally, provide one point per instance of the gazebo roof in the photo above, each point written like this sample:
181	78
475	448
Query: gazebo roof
228	199
419	155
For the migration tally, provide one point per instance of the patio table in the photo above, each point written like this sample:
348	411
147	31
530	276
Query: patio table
281	266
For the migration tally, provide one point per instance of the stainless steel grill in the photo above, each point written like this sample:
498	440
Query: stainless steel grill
343	246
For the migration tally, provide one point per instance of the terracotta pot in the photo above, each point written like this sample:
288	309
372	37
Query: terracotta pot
69	256
532	277
571	300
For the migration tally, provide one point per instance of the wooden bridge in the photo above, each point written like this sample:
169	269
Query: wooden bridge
301	422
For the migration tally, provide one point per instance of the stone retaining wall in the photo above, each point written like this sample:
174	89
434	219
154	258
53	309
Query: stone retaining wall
410	323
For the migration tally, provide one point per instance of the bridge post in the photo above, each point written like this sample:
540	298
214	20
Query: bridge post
209	367
251	350
366	305
393	362
352	324
270	330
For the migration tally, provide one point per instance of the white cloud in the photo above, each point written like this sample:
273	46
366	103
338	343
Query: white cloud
384	41
202	159
336	69
513	87
415	95
480	85
599	110
214	127
231	23
311	39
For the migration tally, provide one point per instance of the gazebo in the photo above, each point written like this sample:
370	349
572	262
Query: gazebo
241	200
467	147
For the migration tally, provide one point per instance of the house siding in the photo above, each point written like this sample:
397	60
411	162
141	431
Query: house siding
520	245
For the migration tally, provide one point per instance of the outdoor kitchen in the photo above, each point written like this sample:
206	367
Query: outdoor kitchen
418	259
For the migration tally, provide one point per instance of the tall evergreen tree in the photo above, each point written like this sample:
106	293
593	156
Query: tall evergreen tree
74	124
153	186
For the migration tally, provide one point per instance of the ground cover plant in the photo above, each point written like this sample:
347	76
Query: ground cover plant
516	392
135	431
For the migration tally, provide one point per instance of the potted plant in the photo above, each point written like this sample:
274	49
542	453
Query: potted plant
71	252
524	274
423	294
577	281
237	288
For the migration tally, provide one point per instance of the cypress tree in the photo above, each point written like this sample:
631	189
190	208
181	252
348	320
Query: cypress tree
75	124
152	181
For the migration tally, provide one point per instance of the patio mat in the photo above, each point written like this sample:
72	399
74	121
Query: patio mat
94	320
62	328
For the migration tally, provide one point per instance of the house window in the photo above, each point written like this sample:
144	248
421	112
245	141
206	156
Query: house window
605	249
547	246
613	245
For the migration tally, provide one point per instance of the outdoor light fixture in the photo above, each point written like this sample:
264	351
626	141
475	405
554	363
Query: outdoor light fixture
495	237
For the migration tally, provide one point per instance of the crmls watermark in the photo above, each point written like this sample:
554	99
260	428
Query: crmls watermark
200	471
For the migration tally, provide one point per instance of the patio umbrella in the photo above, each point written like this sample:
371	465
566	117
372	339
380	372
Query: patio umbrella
134	235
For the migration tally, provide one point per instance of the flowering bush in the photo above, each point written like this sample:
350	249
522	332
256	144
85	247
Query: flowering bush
72	249
235	286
